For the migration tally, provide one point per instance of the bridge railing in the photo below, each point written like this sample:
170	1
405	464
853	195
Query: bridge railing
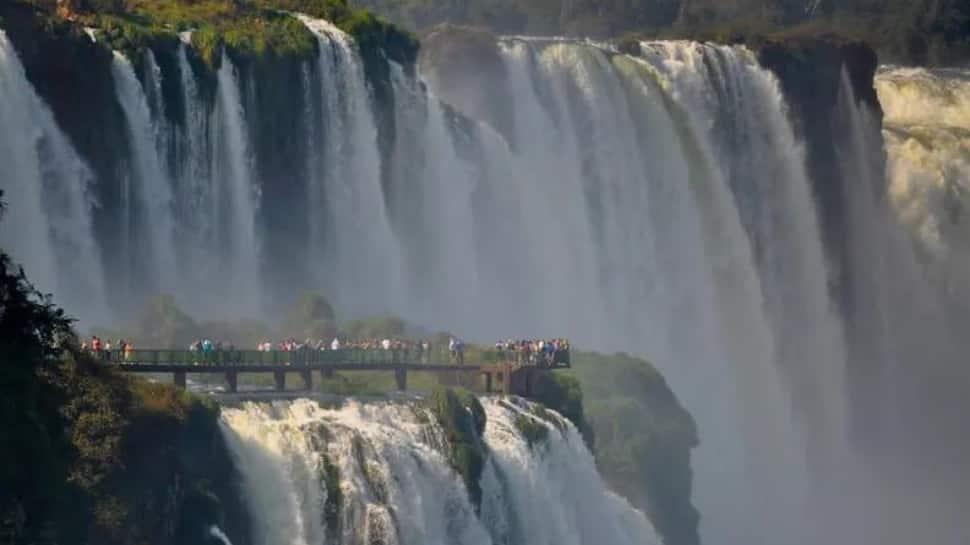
309	357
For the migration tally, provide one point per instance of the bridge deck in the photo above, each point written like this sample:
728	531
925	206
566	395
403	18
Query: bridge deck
255	361
504	369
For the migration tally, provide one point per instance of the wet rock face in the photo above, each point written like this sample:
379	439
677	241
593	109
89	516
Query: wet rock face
463	65
810	74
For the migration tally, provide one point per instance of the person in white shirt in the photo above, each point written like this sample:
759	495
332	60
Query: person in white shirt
335	345
386	344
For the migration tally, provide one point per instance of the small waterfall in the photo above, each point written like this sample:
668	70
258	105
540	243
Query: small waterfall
357	243
233	205
151	191
47	225
217	533
395	485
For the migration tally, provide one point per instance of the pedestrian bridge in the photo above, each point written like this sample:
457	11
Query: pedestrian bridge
500	372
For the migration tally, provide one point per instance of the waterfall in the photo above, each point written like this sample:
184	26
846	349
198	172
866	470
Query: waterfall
907	379
151	190
356	244
386	462
47	226
657	204
927	119
234	198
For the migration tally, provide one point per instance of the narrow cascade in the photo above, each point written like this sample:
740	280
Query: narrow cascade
48	216
358	254
233	212
151	241
377	473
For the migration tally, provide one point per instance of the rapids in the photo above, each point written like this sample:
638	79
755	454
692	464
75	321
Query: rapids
386	462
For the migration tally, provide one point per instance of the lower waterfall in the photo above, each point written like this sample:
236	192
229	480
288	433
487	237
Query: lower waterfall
377	473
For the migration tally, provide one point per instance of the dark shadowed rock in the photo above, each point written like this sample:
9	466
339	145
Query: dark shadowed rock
463	65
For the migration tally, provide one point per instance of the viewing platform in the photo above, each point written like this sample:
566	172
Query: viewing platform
500	371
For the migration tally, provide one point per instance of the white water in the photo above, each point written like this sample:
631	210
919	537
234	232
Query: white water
927	133
217	533
152	242
234	200
356	248
908	379
657	205
47	226
398	488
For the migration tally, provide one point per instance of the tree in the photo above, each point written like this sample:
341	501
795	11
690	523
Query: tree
33	333
311	317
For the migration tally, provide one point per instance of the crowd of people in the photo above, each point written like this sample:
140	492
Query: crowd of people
406	348
207	346
540	352
103	348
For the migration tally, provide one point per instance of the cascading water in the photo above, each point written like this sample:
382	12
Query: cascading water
47	228
927	134
356	248
657	204
151	243
378	473
234	210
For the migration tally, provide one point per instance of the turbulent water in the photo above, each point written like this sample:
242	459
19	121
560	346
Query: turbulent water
927	131
388	461
49	223
658	204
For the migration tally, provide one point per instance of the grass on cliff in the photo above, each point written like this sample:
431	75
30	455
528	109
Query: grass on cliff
247	29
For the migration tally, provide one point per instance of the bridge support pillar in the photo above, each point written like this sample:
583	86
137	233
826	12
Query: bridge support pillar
232	381
401	376
280	378
307	376
488	382
179	379
326	372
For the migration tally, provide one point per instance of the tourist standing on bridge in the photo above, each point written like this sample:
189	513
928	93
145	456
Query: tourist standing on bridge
457	350
335	345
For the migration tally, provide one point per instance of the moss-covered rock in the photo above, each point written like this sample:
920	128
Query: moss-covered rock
564	394
534	432
462	418
643	439
333	506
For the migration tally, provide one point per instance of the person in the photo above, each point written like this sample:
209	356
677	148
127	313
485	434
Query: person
335	345
453	348
96	345
107	350
129	351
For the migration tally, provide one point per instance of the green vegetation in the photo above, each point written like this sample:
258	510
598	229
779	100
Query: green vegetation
249	30
535	432
88	455
462	418
643	439
563	393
